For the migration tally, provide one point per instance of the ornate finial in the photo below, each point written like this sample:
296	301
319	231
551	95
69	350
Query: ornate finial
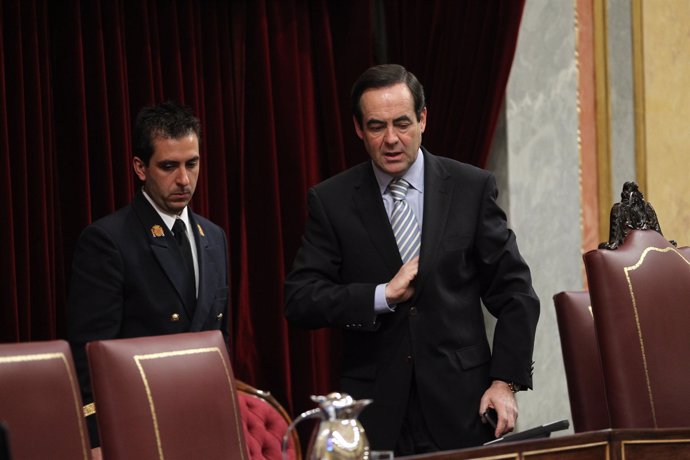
632	213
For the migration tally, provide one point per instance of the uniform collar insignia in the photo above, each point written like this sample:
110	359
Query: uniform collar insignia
157	231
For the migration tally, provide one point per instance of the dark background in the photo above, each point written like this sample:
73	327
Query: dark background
270	81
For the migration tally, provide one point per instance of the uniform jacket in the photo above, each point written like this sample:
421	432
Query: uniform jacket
438	337
128	281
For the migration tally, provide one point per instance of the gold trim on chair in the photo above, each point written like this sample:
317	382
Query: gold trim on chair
627	271
75	394
138	359
89	409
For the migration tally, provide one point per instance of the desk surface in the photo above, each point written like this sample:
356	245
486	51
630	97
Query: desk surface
638	444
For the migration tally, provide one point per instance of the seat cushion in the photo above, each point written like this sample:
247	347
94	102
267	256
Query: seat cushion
264	428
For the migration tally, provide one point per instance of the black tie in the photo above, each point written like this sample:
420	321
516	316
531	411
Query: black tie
180	232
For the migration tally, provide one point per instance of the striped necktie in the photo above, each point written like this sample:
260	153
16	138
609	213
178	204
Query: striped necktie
403	221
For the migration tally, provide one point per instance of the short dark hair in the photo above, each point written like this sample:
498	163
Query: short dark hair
382	76
168	120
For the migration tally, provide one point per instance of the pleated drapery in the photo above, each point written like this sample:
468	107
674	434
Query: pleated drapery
270	81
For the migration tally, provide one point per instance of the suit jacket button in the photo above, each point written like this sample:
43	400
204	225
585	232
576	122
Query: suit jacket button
409	358
413	311
219	316
174	317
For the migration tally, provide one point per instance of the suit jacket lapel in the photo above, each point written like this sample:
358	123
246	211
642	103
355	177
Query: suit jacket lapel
437	193
161	241
203	246
372	214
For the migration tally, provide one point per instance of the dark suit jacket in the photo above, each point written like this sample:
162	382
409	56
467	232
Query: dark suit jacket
127	281
467	254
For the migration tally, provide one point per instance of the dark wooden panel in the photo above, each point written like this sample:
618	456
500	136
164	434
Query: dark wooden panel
647	444
655	450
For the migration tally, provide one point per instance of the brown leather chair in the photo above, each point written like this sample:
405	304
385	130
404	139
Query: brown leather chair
640	296
169	396
265	423
582	361
40	402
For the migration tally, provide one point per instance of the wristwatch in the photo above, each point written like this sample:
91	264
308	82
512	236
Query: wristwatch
515	387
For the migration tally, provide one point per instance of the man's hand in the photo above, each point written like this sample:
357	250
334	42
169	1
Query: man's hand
500	397
400	288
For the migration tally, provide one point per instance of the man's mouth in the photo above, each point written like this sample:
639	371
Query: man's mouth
180	195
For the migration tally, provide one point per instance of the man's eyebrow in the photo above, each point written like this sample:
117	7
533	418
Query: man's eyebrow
374	121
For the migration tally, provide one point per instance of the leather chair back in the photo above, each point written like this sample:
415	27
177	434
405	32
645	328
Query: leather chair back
640	296
582	361
265	423
40	402
169	396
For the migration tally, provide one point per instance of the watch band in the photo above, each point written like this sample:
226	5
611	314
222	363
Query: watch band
515	387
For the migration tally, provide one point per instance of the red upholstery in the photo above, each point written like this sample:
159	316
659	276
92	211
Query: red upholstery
40	402
641	301
170	396
265	423
583	370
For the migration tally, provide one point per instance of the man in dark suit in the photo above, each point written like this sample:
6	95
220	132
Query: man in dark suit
153	267
413	328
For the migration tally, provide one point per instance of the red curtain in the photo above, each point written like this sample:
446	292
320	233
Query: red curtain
462	52
270	81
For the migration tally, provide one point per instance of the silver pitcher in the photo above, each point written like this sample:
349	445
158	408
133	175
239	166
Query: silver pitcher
339	435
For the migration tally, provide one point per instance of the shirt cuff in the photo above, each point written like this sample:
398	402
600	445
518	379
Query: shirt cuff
380	304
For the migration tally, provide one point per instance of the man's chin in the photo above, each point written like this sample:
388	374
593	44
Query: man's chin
176	207
394	168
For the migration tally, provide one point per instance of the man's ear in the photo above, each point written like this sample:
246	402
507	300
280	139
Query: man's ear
139	168
358	129
422	119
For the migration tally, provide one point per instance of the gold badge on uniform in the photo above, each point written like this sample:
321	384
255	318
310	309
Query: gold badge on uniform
201	230
157	231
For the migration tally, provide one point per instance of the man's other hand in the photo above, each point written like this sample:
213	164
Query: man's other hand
500	397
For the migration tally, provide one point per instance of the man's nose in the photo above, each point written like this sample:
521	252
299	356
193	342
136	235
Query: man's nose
182	176
390	137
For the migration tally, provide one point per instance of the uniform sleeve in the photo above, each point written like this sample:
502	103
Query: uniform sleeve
95	297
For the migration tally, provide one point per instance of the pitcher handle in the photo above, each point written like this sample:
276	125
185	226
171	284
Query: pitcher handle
286	438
